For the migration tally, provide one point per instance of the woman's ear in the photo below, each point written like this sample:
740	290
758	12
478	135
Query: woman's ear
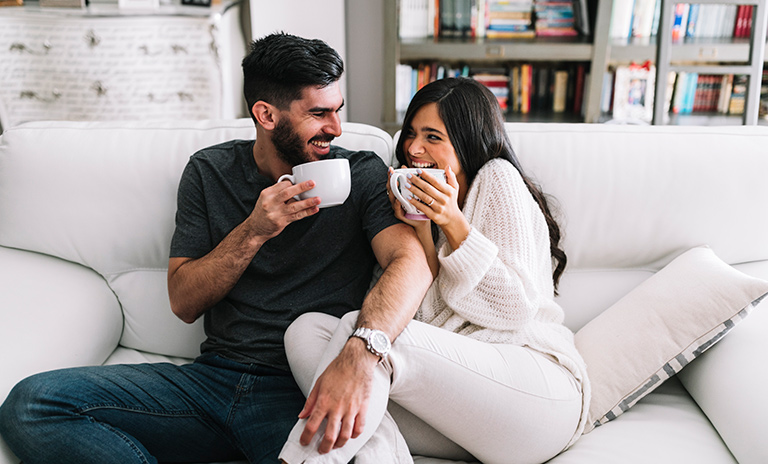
265	114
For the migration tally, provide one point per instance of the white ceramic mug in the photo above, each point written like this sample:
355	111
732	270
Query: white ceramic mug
332	180
397	183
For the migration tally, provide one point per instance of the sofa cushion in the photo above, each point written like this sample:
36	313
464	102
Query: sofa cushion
665	427
53	314
660	326
727	381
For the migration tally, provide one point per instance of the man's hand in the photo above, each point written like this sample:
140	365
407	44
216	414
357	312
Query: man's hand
195	285
276	208
341	396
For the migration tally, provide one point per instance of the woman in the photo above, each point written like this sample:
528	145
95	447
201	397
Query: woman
487	367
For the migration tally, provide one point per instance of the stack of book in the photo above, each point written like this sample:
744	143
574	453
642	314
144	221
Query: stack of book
497	81
554	18
509	19
499	19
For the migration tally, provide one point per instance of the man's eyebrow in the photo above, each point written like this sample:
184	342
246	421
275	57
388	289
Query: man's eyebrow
318	109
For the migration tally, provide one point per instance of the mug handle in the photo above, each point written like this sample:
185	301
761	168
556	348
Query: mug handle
293	181
396	191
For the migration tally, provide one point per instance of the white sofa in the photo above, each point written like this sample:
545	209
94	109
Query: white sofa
86	217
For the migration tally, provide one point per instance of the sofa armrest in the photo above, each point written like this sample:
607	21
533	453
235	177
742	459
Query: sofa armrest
728	383
54	314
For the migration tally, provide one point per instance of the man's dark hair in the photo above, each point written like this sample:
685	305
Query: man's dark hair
279	66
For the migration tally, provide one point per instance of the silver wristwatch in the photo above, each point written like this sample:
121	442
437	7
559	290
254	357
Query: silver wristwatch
376	341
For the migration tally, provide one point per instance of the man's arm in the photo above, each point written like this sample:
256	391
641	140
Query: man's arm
194	285
341	392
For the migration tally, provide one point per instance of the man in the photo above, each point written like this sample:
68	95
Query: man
249	259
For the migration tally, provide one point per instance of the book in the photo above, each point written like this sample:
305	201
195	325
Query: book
671	78
726	85
642	18
414	19
581	17
690	92
693	16
763	109
738	94
560	91
578	88
543	91
447	14
679	92
621	19
738	28
680	21
606	97
514	89
526	76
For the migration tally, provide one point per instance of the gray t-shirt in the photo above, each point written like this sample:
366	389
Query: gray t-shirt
322	263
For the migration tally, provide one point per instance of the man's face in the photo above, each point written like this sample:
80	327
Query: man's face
304	132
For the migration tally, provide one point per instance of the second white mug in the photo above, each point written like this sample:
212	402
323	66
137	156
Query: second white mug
397	183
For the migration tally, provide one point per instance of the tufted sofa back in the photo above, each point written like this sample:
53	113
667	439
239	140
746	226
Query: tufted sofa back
631	198
103	194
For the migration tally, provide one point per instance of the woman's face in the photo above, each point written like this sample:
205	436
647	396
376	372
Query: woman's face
426	143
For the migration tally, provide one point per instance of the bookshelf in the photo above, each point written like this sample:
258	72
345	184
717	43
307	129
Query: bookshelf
479	52
752	64
599	52
707	55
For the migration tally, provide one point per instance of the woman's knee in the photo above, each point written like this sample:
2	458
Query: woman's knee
306	339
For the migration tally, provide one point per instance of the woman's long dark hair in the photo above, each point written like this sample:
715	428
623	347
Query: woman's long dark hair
475	126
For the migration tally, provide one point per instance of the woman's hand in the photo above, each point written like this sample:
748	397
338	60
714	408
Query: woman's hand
400	212
423	229
440	203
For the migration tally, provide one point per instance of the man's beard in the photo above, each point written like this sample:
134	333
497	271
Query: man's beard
290	148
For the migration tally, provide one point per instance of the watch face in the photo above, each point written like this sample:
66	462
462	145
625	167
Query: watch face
380	342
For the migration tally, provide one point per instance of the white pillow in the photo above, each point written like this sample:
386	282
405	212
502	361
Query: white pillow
660	326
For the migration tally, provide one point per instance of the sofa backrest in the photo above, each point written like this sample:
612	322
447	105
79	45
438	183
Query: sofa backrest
631	198
103	194
634	197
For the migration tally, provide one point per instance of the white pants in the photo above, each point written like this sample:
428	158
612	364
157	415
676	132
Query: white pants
455	397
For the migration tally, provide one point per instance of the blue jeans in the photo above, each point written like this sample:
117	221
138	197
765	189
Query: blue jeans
211	410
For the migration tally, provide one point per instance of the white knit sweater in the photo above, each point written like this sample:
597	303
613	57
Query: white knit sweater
497	286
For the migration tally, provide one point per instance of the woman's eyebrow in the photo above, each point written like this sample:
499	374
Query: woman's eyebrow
431	130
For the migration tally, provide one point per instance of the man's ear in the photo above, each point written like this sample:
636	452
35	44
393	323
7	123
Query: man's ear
265	114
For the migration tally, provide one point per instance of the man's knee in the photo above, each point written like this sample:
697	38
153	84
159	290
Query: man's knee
22	406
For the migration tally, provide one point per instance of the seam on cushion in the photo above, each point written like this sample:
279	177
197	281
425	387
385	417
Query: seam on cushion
610	269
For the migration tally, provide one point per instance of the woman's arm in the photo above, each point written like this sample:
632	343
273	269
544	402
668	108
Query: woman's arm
502	270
